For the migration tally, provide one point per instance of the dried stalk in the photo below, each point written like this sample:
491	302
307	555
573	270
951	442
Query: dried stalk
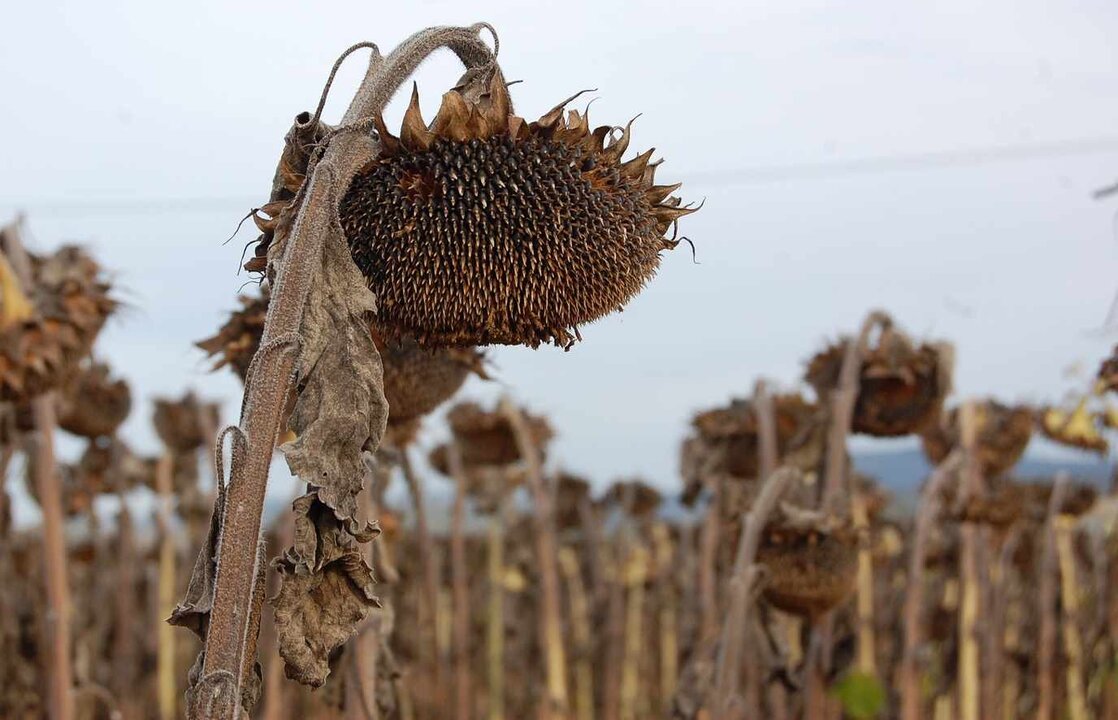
547	552
708	574
615	630
634	573
429	595
1064	530
580	630
495	619
970	634
361	692
842	403
993	680
461	588
725	702
1049	620
669	622
60	678
124	639
166	676
235	597
926	514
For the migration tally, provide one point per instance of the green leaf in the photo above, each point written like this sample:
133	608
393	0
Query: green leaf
862	696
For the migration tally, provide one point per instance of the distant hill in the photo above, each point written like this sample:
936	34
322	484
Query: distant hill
902	471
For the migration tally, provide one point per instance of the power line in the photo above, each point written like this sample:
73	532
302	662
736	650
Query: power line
907	162
967	157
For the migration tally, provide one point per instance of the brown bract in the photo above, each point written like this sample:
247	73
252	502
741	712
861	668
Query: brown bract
901	386
1003	435
485	228
70	298
239	338
93	404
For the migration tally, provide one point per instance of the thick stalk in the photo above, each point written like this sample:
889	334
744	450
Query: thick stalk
636	566
461	588
709	536
1048	597
167	678
726	702
669	617
913	618
615	631
429	569
124	638
842	404
236	602
60	678
970	607
1073	642
581	634
547	552
495	619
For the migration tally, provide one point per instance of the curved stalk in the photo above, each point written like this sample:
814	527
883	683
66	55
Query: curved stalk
236	602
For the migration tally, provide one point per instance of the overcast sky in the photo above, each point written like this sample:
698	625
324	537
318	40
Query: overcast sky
936	160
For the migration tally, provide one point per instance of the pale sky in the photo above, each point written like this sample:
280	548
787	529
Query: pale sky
936	160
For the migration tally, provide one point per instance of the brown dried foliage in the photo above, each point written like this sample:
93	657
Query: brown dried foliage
1003	434
901	387
71	300
326	589
93	404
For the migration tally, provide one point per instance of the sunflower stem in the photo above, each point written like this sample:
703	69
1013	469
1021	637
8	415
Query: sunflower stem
551	627
60	678
236	603
1048	597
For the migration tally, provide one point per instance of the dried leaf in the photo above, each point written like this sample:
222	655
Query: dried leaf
340	407
326	589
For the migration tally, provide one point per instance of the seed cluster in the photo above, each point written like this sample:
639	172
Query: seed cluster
489	230
901	386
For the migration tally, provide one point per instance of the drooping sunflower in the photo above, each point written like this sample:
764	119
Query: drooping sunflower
902	385
50	326
1003	434
484	228
93	404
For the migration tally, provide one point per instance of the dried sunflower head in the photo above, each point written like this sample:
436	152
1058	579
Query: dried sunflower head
416	380
636	498
901	386
571	494
811	564
486	438
93	404
1003	435
184	425
485	228
68	305
725	442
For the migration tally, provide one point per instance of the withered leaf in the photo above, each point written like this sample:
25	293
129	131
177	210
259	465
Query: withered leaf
193	611
340	407
326	589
